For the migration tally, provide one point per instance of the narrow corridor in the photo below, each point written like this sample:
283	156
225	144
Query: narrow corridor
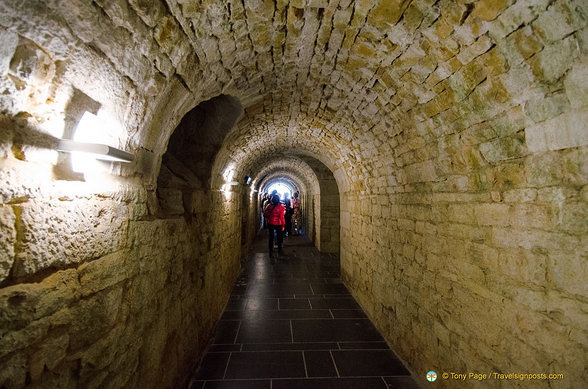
440	150
293	324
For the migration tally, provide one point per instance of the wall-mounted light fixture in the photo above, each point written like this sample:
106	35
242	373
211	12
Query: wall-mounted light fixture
247	180
89	144
228	173
98	151
226	187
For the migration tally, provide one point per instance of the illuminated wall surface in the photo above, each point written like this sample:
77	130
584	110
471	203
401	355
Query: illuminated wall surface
440	147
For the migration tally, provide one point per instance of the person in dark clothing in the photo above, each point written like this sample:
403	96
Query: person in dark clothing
289	211
274	213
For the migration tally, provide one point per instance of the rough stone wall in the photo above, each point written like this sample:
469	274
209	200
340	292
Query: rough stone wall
471	255
326	209
309	217
455	131
251	216
312	209
330	226
100	294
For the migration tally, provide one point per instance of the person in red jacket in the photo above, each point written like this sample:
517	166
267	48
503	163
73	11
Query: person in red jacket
274	213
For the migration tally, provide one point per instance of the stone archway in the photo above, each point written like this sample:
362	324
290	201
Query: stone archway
328	204
320	201
185	173
454	129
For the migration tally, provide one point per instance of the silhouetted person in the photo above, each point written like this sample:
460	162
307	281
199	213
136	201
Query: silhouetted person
289	212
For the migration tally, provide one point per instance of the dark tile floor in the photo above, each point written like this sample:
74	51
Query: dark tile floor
293	324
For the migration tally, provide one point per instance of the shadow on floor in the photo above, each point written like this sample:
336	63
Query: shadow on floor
293	324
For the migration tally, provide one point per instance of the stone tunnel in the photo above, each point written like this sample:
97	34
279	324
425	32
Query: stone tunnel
440	148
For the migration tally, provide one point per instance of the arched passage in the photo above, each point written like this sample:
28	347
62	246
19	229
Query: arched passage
327	206
184	176
452	128
319	192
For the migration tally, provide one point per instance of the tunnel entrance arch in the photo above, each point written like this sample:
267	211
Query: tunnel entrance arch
285	188
319	193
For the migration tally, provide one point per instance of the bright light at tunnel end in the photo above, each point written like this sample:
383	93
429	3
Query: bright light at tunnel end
281	188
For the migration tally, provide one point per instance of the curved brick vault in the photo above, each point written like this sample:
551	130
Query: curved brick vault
445	140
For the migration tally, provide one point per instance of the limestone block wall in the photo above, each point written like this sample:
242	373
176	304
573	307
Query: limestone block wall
312	210
329	215
309	216
95	289
323	219
470	255
251	214
455	131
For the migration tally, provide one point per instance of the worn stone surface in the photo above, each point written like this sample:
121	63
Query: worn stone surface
455	132
72	232
7	240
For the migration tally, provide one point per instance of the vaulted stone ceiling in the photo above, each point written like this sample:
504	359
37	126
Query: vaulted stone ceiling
455	130
363	86
359	85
